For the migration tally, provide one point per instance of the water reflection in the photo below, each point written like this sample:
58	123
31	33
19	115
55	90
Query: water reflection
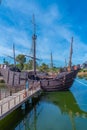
66	102
68	106
54	111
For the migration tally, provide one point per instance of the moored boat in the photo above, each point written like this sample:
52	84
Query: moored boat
14	77
63	81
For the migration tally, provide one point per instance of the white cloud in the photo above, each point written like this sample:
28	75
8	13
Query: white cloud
26	7
53	35
6	51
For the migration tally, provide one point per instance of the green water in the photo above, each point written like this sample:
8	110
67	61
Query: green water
54	111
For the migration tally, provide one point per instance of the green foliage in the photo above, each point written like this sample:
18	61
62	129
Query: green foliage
19	66
30	64
44	67
26	66
83	70
21	59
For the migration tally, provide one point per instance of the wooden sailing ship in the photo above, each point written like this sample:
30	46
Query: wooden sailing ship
62	81
14	77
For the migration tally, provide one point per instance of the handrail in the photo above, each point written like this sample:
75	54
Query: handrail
15	100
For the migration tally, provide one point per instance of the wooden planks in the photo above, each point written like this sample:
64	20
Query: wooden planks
7	105
12	78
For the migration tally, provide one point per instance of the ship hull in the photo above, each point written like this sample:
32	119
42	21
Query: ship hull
62	83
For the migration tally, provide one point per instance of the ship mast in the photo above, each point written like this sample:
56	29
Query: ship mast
34	37
14	55
71	51
65	63
51	61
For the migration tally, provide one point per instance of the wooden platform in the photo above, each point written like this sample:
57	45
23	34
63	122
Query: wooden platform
7	105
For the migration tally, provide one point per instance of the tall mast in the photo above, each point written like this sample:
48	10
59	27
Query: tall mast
71	51
34	37
65	63
51	60
14	54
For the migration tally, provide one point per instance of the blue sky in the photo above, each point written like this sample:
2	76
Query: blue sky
57	21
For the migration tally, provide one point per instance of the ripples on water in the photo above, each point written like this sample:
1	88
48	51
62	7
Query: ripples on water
54	111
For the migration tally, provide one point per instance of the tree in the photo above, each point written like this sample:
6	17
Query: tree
21	59
26	66
30	64
44	67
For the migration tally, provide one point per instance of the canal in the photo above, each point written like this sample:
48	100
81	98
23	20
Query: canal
52	111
